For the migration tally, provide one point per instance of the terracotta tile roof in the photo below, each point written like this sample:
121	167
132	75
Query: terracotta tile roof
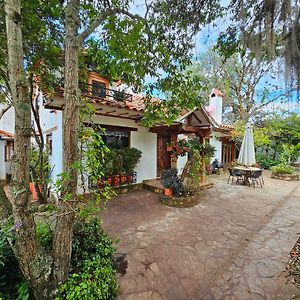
6	134
226	126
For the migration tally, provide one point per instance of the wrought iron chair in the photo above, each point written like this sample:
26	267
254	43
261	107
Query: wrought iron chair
256	178
234	173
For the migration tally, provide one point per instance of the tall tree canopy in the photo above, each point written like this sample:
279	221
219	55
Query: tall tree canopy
248	83
265	25
44	36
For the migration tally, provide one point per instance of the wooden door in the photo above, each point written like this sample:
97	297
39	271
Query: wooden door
163	157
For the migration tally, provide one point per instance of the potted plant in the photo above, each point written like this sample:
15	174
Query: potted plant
117	167
108	166
132	157
171	182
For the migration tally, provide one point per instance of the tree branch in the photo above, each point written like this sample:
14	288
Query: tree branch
4	110
102	17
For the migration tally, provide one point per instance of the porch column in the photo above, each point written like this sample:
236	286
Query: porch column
173	157
202	179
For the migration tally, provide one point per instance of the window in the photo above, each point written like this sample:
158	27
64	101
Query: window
9	150
98	89
49	142
116	139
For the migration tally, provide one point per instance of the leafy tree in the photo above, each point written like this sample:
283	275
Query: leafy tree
242	78
277	137
271	26
161	40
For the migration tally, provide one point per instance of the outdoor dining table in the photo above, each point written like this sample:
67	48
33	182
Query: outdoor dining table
246	172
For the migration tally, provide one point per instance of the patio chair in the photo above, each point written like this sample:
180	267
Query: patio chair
235	173
256	178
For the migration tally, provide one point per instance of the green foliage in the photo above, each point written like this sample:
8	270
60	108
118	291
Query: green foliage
239	75
170	180
265	161
44	235
132	157
205	149
40	169
190	188
12	283
180	147
93	276
261	134
282	169
194	167
118	161
94	154
289	152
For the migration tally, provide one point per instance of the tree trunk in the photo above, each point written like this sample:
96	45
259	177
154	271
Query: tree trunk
33	264
65	221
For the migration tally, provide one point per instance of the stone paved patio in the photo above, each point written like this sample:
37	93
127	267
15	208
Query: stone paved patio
233	245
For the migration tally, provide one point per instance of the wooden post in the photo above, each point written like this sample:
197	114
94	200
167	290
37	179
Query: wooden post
202	179
174	157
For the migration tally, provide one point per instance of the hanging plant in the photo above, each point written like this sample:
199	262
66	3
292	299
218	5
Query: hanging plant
178	148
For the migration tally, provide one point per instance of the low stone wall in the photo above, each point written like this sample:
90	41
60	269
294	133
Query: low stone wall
287	177
182	201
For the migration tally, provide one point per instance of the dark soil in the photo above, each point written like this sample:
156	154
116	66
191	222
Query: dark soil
293	267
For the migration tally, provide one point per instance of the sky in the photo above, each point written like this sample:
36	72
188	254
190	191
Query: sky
205	40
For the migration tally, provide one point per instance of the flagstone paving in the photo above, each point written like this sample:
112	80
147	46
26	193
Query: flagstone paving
233	245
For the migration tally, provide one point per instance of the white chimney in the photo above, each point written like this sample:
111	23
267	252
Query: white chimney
216	105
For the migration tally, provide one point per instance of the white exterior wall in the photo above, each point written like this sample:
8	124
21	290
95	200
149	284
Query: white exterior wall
216	108
146	142
8	167
181	160
7	122
217	144
2	163
51	122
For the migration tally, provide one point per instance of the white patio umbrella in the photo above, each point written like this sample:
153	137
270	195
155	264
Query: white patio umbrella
247	153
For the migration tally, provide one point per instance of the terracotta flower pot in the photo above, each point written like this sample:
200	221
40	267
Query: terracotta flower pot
168	192
116	180
101	183
33	191
109	180
130	178
123	179
169	148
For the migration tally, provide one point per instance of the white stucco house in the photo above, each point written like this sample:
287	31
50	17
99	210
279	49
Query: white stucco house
120	114
7	124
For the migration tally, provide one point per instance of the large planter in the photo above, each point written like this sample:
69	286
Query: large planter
287	177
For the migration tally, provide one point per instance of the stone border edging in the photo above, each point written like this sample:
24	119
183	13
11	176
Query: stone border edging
287	177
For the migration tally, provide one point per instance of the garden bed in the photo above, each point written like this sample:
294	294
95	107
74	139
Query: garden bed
287	177
293	267
180	201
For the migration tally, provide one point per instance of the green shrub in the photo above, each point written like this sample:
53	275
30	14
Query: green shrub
266	162
283	169
44	235
93	275
132	157
12	283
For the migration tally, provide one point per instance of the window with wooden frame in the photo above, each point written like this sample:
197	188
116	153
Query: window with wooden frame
98	89
9	150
